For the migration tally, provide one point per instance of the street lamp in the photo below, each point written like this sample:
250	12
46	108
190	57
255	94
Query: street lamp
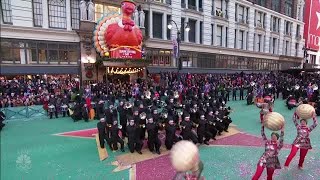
187	29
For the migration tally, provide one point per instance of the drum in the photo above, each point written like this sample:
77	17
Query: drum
51	108
93	104
64	108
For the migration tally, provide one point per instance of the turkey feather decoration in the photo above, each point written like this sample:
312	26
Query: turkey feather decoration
117	36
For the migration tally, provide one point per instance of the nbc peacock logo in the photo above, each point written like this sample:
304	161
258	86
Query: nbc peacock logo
23	162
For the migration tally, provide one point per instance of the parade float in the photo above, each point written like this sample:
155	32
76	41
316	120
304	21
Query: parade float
119	42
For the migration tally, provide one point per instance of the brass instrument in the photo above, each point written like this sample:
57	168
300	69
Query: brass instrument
297	87
148	94
128	105
164	115
176	94
143	115
163	104
315	87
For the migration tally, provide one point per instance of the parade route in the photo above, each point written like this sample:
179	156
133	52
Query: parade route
62	149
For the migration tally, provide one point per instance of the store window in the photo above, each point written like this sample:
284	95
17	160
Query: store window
219	35
11	51
57	14
38	52
192	32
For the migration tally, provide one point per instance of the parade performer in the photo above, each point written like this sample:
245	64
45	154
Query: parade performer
270	159
302	140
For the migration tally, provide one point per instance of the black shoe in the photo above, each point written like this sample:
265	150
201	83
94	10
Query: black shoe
226	130
122	150
214	138
207	143
139	152
158	152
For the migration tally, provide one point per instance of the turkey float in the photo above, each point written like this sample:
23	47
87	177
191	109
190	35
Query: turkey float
117	36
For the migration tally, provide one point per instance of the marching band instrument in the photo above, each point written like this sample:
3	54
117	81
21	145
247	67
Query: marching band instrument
315	87
176	94
164	115
148	94
143	115
51	108
128	105
297	87
64	108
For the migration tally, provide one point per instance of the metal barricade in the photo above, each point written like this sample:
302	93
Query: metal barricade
23	112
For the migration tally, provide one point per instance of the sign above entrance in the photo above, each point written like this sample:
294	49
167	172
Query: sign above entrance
125	52
118	36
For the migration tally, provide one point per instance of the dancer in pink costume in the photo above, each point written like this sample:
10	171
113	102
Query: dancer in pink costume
302	140
270	159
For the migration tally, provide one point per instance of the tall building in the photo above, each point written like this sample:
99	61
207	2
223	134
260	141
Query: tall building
312	33
39	37
224	36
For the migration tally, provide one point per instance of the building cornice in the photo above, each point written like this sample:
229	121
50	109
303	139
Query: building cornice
266	10
37	33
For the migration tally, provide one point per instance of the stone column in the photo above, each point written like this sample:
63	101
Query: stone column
186	1
164	25
45	15
68	14
198	32
224	36
197	5
186	34
150	24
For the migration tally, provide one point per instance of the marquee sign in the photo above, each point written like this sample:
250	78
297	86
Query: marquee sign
125	52
312	24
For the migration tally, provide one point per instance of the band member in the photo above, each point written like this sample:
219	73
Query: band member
234	93
77	115
302	140
250	98
134	142
53	106
186	126
153	140
241	92
171	137
100	109
270	159
85	112
211	124
103	136
2	118
123	118
219	123
202	130
115	138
